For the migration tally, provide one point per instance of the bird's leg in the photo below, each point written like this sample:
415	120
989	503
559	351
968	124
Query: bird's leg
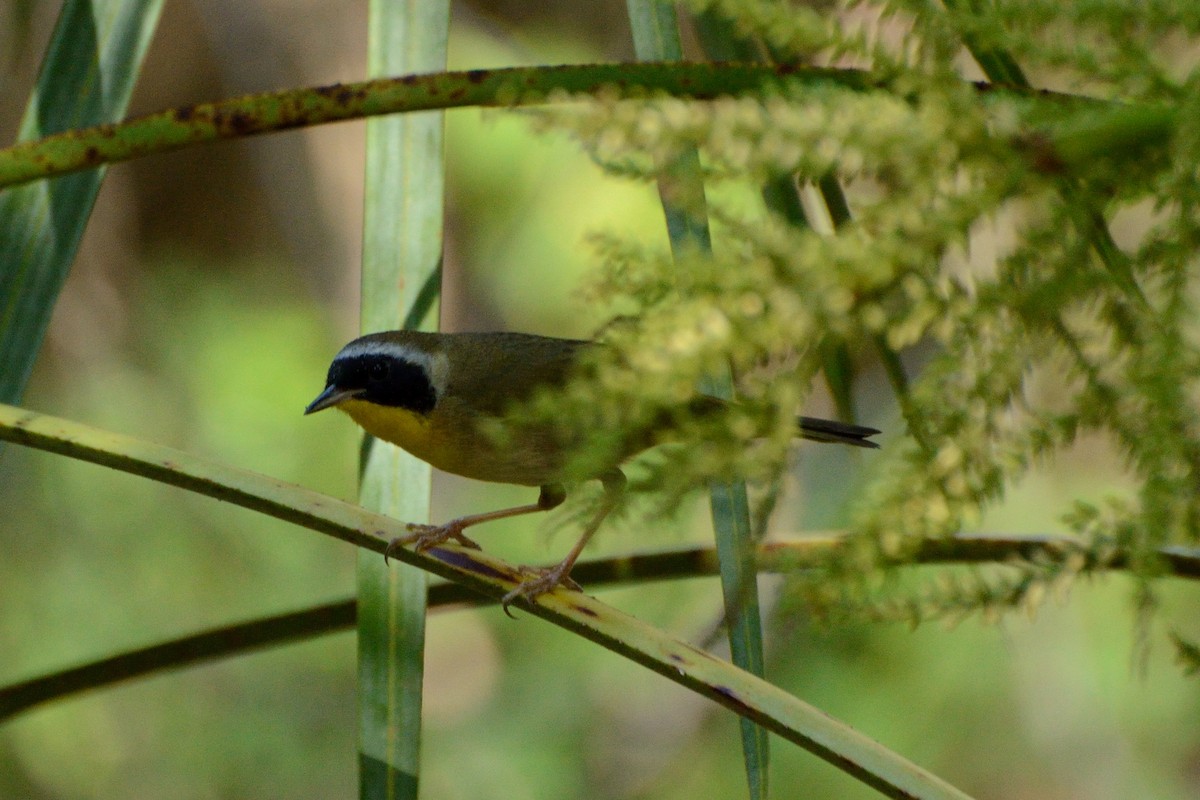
545	580
424	537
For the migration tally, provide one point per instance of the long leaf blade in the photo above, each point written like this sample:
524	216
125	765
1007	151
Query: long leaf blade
402	241
656	38
249	636
86	79
681	663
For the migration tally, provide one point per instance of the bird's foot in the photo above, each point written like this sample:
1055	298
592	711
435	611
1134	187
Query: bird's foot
423	537
539	583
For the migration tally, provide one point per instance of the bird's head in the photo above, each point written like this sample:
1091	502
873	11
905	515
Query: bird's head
400	371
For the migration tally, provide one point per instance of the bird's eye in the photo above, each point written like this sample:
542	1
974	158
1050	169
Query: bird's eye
378	371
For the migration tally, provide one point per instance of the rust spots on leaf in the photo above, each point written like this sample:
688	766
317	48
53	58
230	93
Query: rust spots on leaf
584	610
235	123
340	93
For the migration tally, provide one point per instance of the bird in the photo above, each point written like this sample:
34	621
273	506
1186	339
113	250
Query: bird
443	396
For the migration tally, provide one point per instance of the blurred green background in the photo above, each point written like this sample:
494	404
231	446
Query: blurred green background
213	288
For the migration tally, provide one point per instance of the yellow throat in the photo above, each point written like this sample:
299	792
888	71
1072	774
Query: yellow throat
400	426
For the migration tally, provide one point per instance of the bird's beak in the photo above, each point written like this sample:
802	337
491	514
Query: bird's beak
330	397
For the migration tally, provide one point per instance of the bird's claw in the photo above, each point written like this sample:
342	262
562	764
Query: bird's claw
541	582
423	537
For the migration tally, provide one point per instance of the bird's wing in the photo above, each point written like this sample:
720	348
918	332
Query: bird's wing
526	363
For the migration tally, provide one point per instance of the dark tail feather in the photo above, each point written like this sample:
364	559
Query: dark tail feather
826	430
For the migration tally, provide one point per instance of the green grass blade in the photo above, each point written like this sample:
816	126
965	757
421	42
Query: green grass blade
402	241
739	584
196	648
996	62
720	681
721	42
655	30
656	38
1002	68
295	626
1046	149
86	79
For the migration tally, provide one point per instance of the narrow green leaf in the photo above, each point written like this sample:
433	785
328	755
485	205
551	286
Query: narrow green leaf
271	112
721	42
655	30
86	79
195	648
402	244
1130	128
739	584
778	557
656	38
836	360
736	689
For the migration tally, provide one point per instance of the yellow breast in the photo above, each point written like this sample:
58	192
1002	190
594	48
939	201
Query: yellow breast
411	431
450	441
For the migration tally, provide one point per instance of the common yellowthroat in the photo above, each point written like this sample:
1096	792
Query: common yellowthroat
441	396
